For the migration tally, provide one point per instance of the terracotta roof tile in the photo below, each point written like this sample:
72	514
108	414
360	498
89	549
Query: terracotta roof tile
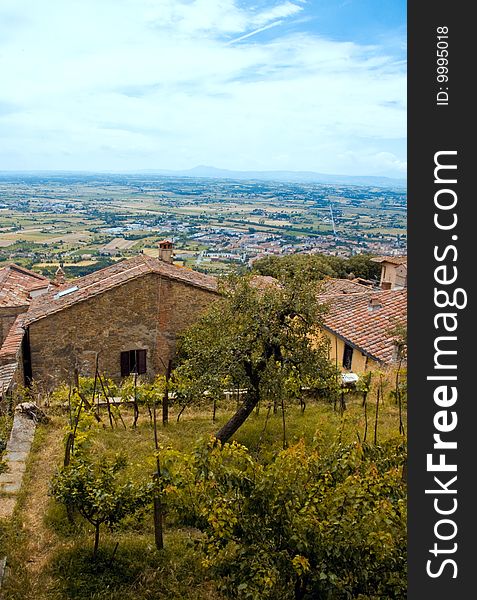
16	283
105	279
12	342
394	260
333	287
352	317
263	282
6	376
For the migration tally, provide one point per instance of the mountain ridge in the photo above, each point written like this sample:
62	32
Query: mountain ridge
290	176
204	171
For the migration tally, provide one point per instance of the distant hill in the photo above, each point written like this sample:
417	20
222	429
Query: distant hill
292	176
214	173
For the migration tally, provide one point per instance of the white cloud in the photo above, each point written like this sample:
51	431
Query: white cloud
156	84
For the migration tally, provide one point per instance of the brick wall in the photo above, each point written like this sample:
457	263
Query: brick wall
145	313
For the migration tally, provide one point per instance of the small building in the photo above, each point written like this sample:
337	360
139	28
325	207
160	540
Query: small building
18	287
127	315
359	326
393	272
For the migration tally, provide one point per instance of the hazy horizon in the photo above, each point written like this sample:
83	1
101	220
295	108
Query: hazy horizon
193	172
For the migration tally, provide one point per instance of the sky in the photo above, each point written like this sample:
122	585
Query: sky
127	85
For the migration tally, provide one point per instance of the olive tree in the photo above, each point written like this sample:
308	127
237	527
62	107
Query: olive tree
260	338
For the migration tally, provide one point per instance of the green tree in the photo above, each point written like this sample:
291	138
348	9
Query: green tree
263	339
98	492
318	266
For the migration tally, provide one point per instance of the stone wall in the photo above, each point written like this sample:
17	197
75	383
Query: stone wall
147	312
393	276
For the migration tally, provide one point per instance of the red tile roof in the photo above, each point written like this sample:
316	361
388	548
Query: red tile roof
110	277
263	282
394	260
16	283
350	318
11	344
332	287
6	376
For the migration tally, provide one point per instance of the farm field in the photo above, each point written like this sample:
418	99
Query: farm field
70	218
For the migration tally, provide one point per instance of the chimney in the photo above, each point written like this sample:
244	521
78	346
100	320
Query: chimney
60	277
374	304
166	248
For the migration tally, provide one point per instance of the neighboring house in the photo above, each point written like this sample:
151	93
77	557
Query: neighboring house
393	272
126	316
359	326
18	287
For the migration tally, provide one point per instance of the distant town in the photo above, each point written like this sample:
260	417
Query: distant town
88	221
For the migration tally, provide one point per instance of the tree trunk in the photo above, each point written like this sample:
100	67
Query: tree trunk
376	415
158	510
214	409
342	402
136	407
285	442
404	472
235	422
365	404
96	539
165	400
158	523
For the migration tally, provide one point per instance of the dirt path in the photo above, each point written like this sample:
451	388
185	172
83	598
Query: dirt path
32	510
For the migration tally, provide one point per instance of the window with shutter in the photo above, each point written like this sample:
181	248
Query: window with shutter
141	361
347	356
125	364
133	361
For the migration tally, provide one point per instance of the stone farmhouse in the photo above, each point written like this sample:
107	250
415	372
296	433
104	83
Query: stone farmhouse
126	316
359	324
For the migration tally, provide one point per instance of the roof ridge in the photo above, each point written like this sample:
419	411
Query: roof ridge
103	280
15	267
72	282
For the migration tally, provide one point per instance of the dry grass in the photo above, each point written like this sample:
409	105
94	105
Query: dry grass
28	540
33	504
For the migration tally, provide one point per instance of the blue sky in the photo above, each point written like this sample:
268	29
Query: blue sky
170	84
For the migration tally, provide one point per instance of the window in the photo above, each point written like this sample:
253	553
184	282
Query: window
133	361
347	356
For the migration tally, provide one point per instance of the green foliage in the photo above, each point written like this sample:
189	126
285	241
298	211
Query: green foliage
317	266
97	491
303	526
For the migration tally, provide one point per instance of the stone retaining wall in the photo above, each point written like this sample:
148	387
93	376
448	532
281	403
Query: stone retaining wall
16	455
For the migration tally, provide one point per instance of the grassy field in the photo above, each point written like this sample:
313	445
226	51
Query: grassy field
49	559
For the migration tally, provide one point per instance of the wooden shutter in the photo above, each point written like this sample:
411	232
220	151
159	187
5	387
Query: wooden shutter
125	370
141	362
